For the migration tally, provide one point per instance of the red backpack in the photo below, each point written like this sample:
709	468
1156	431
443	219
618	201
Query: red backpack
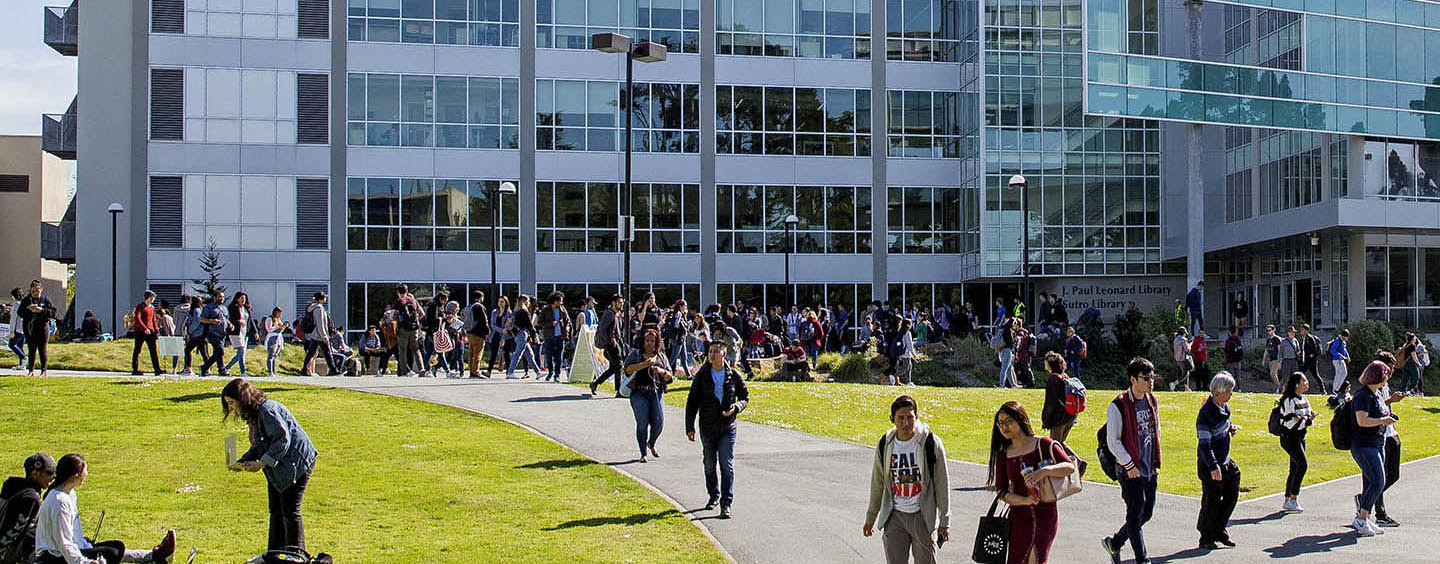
1074	395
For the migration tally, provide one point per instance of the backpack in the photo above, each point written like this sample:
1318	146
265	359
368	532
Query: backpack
1276	424
18	550
807	330
929	451
997	340
1074	396
1342	425
308	322
1325	354
296	556
1104	456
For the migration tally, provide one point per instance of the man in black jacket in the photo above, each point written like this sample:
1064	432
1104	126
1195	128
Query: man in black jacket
477	330
434	316
1310	347
609	335
19	504
717	395
554	326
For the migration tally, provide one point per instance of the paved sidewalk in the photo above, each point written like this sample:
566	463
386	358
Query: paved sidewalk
802	498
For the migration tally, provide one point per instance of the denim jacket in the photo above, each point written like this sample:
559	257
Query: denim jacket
277	440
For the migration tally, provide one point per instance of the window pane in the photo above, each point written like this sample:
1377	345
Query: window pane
451	204
779	109
485	100
1402	277
417	207
450	99
383	97
417	99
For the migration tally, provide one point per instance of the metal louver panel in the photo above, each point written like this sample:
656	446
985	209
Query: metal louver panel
312	108
170	293
167	16
167	212
312	213
314	19
167	104
304	293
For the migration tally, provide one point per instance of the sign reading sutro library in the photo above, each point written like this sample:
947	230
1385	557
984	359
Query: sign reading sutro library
1112	296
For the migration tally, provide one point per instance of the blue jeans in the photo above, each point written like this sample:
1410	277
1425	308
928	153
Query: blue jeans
1139	496
1372	471
217	353
649	409
1197	321
17	346
238	358
1073	363
812	351
680	356
719	450
555	356
1007	368
523	352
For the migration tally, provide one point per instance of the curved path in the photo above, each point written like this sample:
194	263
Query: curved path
802	498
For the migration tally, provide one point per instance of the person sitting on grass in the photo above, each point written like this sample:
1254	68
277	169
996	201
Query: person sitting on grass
20	498
58	538
796	364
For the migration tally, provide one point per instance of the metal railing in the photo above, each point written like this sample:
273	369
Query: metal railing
57	134
62	28
57	241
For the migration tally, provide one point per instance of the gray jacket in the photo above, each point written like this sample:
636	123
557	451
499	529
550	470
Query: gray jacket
935	493
278	441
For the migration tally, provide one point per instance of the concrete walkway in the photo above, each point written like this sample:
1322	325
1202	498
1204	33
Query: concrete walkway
802	498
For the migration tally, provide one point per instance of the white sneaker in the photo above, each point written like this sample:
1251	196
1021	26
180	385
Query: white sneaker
1292	505
1362	528
256	560
1374	529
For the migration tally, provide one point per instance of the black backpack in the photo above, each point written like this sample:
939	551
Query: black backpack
1104	456
929	451
294	556
1342	425
807	330
307	323
17	545
1276	424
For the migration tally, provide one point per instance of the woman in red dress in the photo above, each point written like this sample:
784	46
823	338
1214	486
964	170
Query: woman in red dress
1017	468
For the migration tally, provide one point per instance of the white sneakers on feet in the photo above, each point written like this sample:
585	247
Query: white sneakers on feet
1362	528
1292	505
256	560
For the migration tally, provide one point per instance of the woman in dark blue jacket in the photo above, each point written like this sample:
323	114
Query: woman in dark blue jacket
280	447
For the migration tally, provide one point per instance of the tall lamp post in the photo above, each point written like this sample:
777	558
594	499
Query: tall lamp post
645	52
1018	182
507	188
115	210
790	222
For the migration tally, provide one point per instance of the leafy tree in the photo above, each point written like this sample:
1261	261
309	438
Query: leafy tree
212	266
1130	333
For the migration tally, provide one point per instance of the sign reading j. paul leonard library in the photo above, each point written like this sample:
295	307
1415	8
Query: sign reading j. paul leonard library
1112	296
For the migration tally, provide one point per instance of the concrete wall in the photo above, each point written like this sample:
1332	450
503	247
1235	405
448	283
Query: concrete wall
22	213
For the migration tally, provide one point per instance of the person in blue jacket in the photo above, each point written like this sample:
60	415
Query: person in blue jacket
280	447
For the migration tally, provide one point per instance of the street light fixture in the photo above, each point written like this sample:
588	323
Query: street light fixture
507	188
1018	182
115	210
790	222
645	52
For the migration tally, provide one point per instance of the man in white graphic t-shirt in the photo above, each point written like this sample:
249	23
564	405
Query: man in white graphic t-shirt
909	488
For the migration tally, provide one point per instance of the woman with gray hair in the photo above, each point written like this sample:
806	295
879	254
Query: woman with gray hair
1219	476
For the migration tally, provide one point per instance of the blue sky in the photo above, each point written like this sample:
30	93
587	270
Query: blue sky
34	79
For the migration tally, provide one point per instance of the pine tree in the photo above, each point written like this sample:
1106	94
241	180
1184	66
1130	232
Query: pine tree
211	264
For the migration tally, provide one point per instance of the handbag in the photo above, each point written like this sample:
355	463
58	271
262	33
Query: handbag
1056	489
992	539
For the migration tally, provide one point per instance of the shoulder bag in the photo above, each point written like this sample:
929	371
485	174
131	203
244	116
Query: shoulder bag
1056	489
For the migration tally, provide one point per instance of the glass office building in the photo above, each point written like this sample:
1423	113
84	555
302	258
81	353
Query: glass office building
348	145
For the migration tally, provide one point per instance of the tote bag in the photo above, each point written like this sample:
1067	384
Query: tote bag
992	539
443	343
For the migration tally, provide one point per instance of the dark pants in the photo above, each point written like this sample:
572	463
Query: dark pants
321	348
385	357
36	348
1139	496
148	340
217	353
365	357
17	346
612	355
1312	373
109	552
1294	444
719	450
1392	471
497	348
1217	502
287	528
554	356
196	344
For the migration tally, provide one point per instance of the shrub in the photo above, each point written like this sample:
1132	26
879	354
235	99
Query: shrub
1130	334
1162	323
852	368
826	361
973	362
932	371
1366	337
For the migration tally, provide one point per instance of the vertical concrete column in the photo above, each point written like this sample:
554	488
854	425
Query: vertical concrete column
526	187
339	239
708	220
1327	176
1195	187
1355	286
1355	167
879	151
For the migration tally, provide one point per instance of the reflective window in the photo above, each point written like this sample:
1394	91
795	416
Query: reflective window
568	24
422	214
492	23
830	29
929	30
792	121
832	219
926	124
579	115
388	110
578	217
933	220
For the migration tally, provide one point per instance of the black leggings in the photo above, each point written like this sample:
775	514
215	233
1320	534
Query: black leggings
1294	444
36	348
496	349
145	339
616	368
1392	471
322	348
287	528
109	552
196	344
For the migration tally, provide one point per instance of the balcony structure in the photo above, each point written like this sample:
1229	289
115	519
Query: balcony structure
57	132
62	28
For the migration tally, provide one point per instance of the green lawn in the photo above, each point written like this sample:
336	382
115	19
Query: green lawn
114	356
397	480
859	413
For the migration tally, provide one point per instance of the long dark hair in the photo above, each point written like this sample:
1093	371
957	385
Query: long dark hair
1291	384
69	466
247	398
235	301
998	442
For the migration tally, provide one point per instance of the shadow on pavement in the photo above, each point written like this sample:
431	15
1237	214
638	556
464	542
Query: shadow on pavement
557	464
1312	544
1184	555
636	519
545	399
1257	520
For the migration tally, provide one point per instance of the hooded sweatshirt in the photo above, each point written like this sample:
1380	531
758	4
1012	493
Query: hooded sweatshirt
17	523
934	489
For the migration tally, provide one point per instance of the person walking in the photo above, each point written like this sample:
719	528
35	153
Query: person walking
649	373
1076	350
906	372
1218	473
1132	434
717	396
1367	444
1195	304
239	332
1340	358
1289	349
555	326
1241	311
58	538
36	311
679	323
432	323
146	333
1392	445
1019	462
1310	348
909	488
280	447
1007	352
1024	355
525	340
215	318
165	324
407	325
17	328
609	336
1054	415
1186	363
477	330
1409	364
1200	355
274	327
1296	417
1271	359
499	320
1234	351
195	334
812	334
317	335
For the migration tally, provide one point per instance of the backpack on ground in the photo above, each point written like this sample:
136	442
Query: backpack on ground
1276	423
1342	425
1104	457
1074	396
17	545
997	340
929	451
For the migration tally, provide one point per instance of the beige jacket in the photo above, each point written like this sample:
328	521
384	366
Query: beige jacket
935	496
